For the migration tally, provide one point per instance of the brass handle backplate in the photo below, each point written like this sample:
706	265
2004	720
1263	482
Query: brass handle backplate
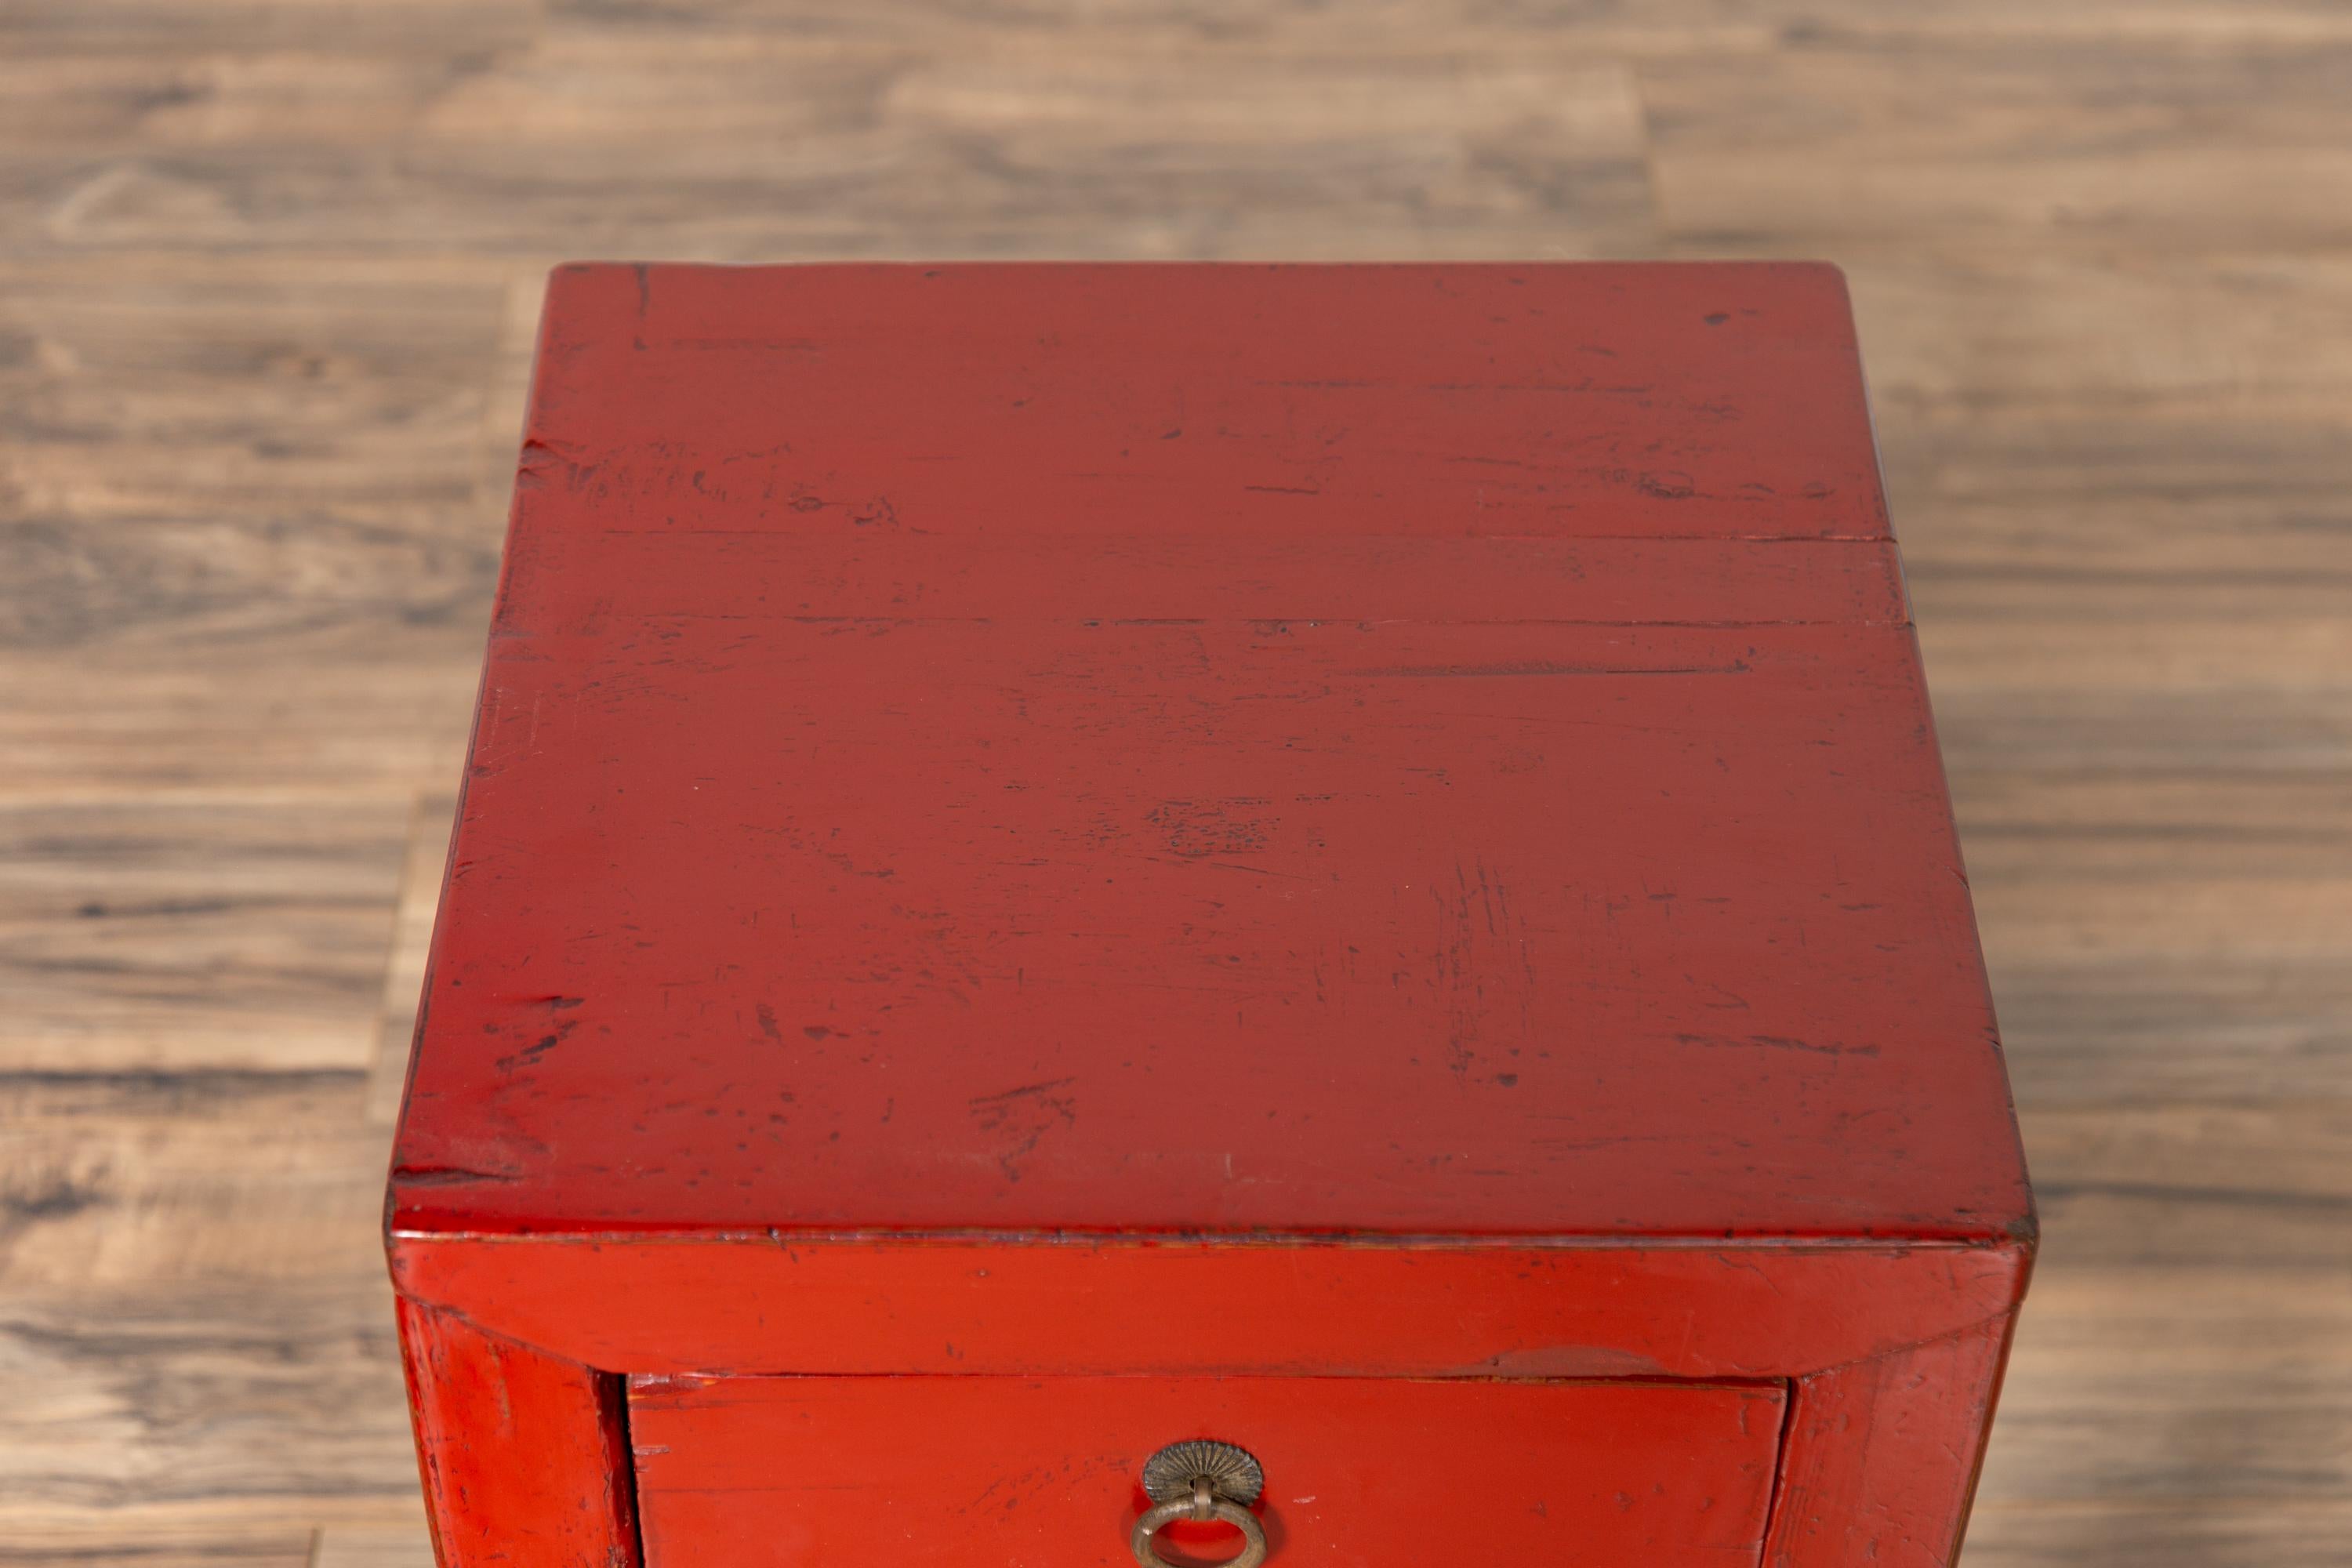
1200	1479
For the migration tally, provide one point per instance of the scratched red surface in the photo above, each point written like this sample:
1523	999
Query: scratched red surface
1403	750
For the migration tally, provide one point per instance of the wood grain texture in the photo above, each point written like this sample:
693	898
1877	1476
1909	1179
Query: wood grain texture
202	935
423	868
360	1547
269	271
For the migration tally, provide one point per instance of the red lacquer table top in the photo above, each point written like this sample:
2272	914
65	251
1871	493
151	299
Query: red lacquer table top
1436	751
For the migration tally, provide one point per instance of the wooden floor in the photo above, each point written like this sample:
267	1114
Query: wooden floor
267	280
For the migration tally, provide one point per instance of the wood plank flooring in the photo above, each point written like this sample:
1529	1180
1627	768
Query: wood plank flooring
269	271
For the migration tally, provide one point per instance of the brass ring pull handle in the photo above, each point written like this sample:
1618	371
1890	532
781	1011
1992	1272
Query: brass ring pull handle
1252	1533
1201	1480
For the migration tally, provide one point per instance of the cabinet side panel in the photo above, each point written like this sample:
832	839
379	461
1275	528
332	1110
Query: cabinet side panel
525	1456
1881	1459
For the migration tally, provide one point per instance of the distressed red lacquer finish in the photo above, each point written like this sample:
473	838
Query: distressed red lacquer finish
775	1472
1057	857
524	1455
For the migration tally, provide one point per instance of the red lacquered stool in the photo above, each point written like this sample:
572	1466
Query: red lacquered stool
1112	913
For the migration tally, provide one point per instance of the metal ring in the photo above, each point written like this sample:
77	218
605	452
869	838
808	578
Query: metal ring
1204	1506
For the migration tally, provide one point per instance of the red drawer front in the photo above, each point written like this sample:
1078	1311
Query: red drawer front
999	1472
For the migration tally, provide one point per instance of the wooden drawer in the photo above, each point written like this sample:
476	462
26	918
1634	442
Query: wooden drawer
793	1472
